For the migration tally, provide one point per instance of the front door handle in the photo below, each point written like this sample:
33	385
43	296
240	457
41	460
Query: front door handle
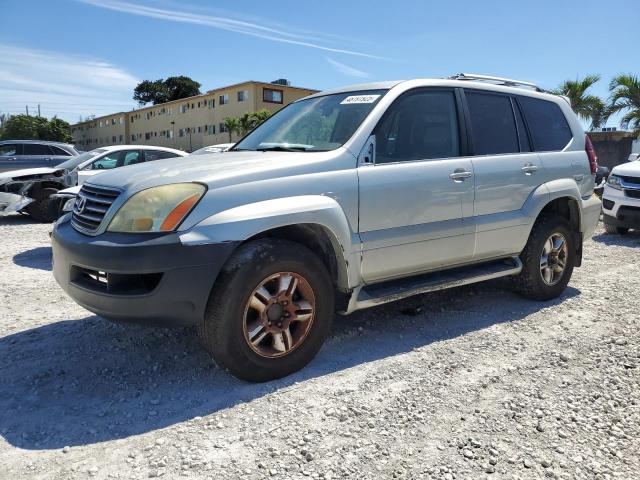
459	174
529	168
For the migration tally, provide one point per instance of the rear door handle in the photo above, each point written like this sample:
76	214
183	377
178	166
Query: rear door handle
529	168
459	175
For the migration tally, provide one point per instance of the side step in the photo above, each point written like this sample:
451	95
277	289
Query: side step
379	293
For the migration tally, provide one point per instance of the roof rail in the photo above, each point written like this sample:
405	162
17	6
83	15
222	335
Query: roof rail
508	82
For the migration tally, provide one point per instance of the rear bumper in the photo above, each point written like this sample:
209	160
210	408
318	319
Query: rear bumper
153	279
591	209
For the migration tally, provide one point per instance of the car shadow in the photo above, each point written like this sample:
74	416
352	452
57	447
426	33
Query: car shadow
630	239
39	258
16	219
78	382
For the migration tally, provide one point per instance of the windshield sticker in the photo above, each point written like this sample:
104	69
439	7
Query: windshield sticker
359	99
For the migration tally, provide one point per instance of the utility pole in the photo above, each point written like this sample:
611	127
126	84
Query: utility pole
38	109
27	108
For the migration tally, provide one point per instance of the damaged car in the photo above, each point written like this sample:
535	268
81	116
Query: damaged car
34	191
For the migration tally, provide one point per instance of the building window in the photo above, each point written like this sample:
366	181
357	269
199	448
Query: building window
222	128
223	99
147	136
212	129
271	95
170	133
113	139
121	120
184	108
121	138
133	138
212	103
243	95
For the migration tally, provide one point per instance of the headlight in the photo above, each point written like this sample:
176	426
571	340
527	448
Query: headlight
614	182
157	209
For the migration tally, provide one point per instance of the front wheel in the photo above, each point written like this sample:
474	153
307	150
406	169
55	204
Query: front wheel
548	259
270	310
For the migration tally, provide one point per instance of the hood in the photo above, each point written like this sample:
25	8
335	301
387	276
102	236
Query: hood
218	169
27	172
631	169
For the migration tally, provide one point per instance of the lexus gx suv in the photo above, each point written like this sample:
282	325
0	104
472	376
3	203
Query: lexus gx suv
341	201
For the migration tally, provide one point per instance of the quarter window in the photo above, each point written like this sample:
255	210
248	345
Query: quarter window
9	149
419	126
492	123
547	124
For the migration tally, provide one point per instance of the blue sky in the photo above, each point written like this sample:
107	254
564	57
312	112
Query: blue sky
81	57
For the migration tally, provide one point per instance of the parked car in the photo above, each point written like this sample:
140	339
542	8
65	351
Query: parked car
21	154
218	148
106	158
633	157
31	190
407	188
621	199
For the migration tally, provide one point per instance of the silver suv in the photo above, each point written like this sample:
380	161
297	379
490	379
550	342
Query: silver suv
341	201
19	154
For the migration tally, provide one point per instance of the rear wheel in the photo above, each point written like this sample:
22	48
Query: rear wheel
548	259
615	230
40	209
270	310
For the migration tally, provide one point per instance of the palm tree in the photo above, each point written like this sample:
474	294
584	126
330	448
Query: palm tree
245	124
625	97
232	125
587	107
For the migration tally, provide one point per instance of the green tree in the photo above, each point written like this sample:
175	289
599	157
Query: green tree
25	127
625	97
232	125
249	121
588	107
162	91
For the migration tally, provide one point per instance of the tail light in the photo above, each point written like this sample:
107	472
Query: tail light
591	154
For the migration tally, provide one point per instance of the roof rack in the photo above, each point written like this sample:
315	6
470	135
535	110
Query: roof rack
508	82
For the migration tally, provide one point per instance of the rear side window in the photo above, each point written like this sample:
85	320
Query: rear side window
547	124
59	151
151	155
419	126
492	123
36	149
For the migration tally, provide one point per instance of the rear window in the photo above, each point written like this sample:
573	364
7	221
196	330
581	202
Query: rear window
9	149
548	126
492	123
151	155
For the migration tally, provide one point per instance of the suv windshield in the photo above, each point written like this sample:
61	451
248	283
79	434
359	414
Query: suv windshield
75	161
313	125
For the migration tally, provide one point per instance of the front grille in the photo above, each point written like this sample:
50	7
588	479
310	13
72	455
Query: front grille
91	206
632	193
632	180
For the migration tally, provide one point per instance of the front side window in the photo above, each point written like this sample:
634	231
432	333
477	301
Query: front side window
116	159
9	149
492	123
314	124
271	95
547	124
419	126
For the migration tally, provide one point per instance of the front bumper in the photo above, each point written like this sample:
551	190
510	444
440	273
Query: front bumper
12	202
619	209
153	279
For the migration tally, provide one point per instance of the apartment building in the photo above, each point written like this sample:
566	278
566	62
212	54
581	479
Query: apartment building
188	123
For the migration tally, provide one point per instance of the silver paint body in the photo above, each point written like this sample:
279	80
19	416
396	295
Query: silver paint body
386	221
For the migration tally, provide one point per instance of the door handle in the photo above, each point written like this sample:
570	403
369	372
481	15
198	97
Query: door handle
529	168
459	175
11	159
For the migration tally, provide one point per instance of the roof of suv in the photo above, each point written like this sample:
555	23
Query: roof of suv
45	142
143	147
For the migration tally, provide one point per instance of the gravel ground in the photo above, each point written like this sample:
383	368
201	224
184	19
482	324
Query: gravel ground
469	383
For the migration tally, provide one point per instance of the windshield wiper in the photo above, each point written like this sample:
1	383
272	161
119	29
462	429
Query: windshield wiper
281	148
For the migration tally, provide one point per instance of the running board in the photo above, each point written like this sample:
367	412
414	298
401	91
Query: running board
377	294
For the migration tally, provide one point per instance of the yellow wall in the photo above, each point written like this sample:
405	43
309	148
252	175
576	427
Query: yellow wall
184	124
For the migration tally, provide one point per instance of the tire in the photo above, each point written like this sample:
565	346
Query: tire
40	210
531	282
612	229
230	321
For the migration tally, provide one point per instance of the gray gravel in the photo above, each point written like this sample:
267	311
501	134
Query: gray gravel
470	383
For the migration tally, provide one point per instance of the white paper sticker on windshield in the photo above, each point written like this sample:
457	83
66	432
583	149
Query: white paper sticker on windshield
359	99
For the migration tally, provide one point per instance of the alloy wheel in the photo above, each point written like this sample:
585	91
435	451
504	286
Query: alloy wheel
553	260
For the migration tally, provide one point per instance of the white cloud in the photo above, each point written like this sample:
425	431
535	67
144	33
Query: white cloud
346	69
278	34
65	84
